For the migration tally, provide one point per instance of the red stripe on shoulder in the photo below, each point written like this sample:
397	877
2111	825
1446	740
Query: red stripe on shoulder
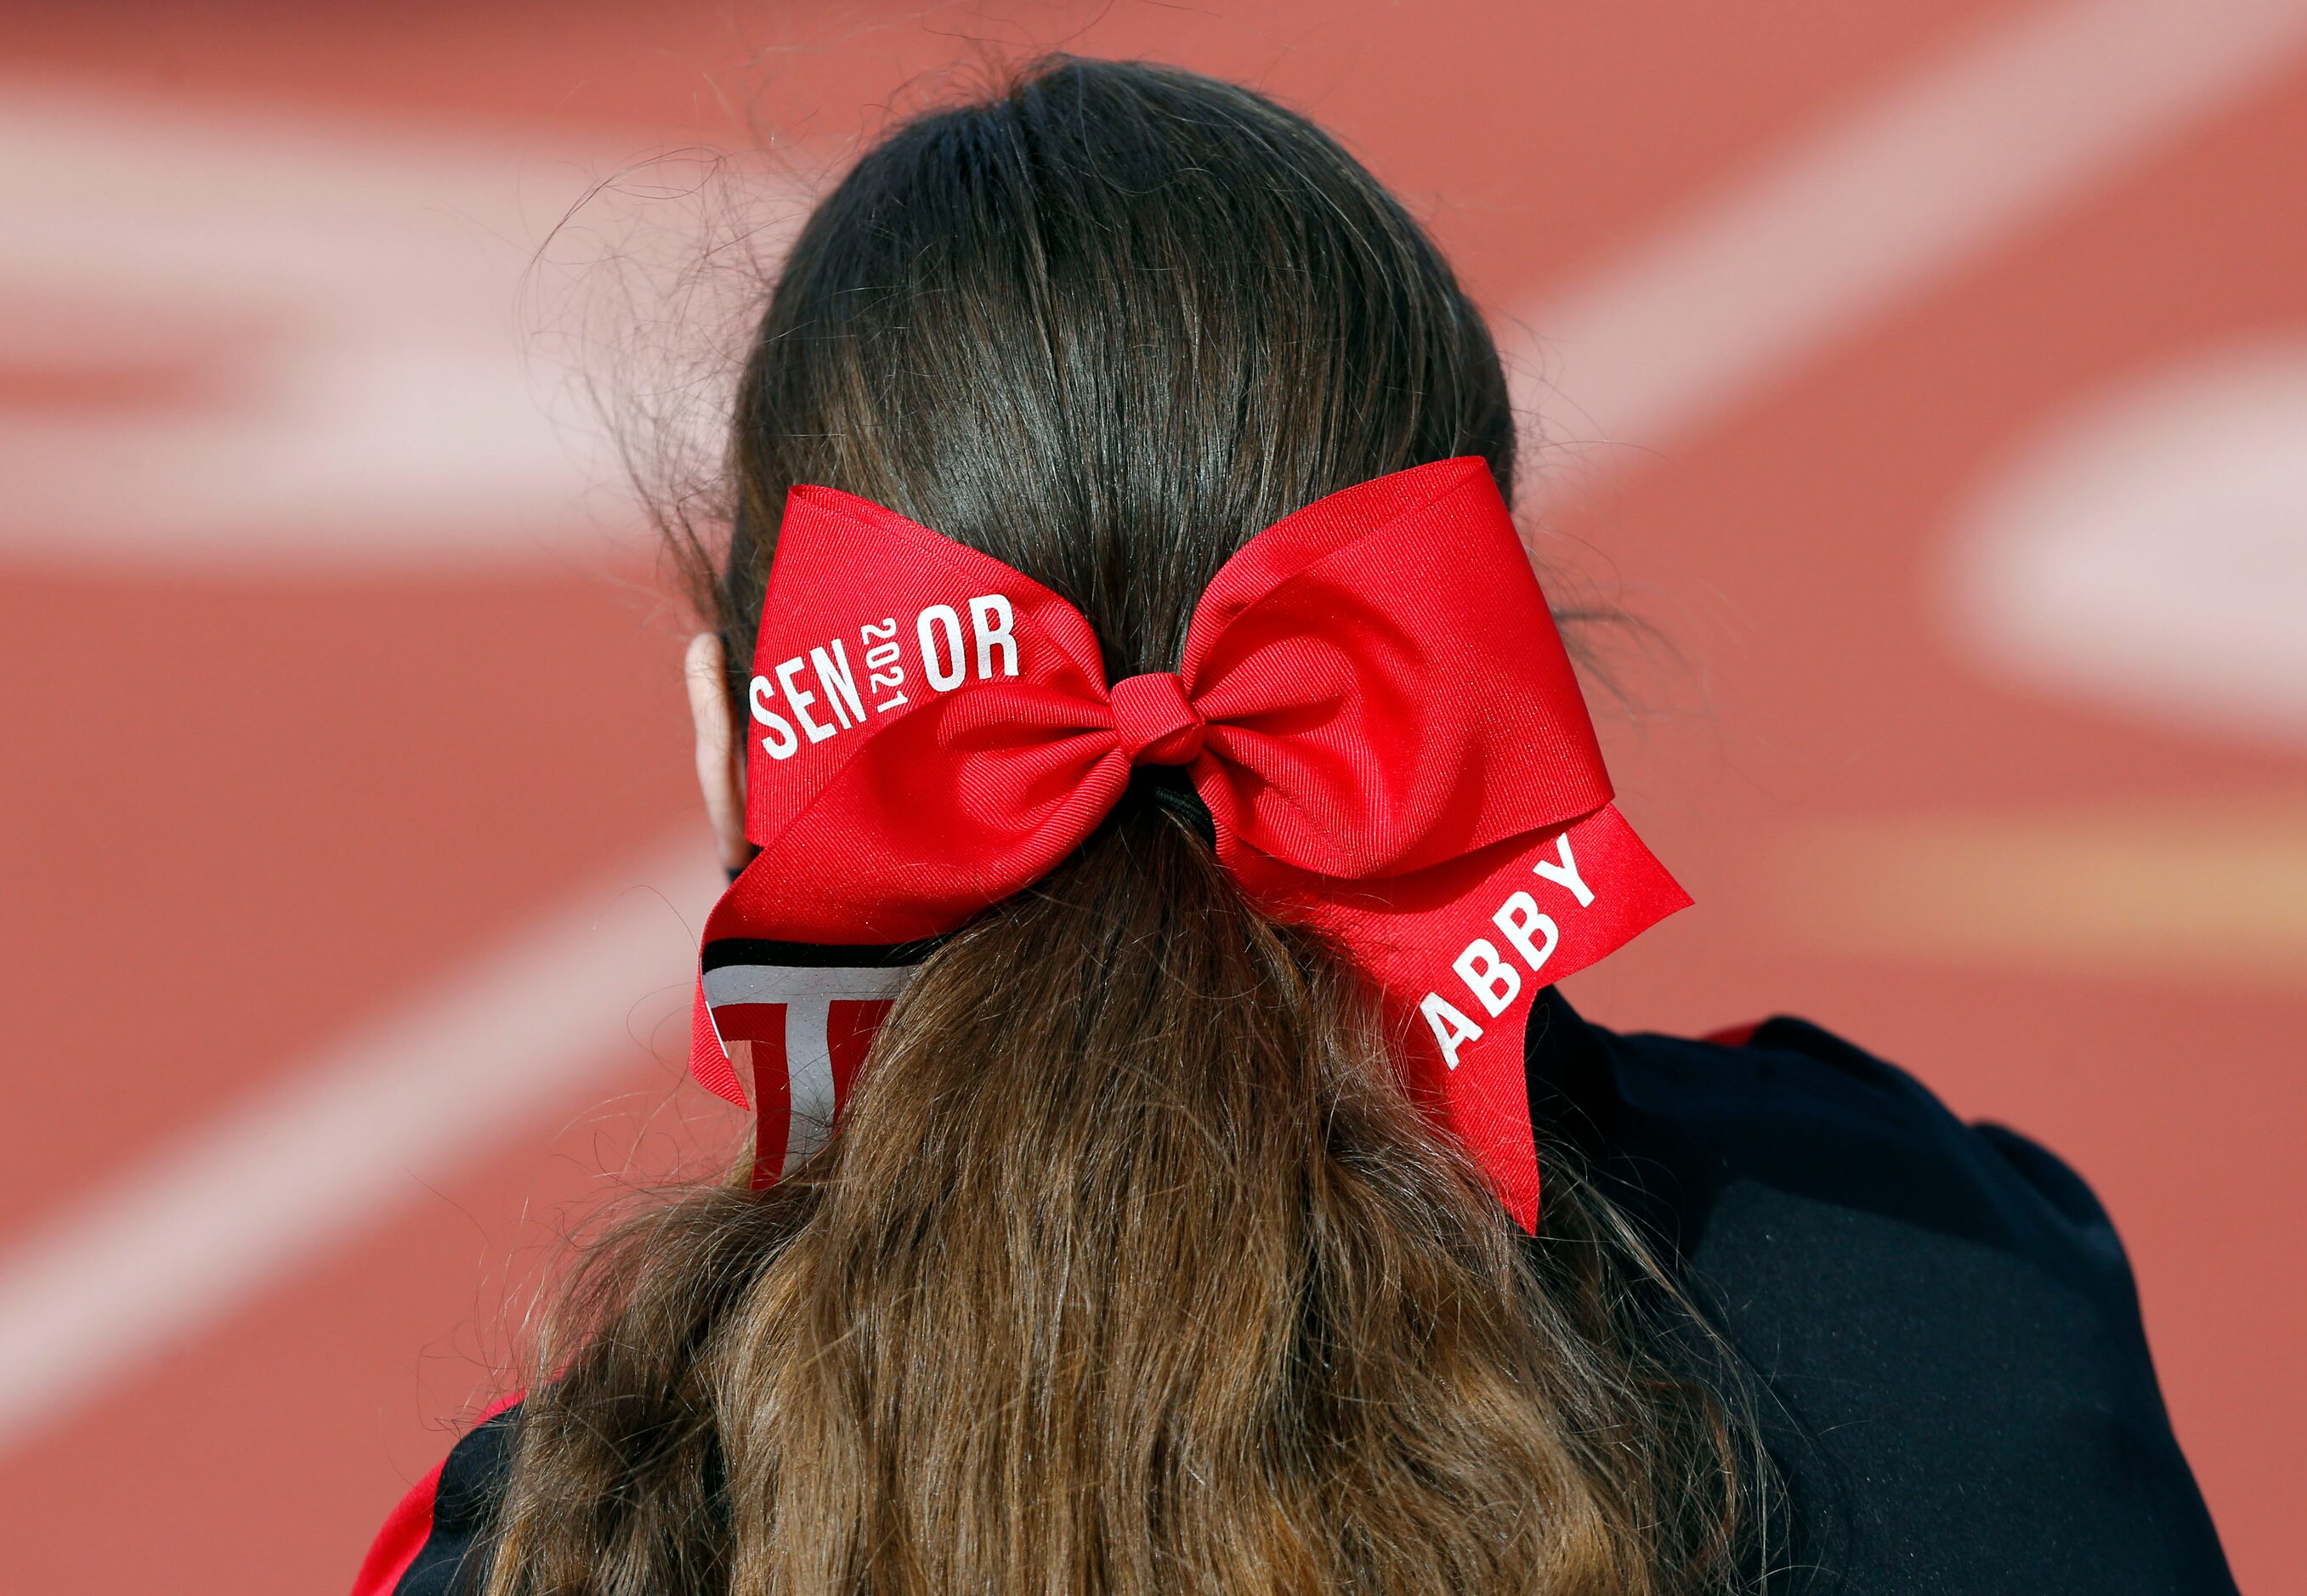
409	1526
403	1536
1733	1035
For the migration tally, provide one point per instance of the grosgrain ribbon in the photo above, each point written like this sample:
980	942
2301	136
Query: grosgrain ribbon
1373	703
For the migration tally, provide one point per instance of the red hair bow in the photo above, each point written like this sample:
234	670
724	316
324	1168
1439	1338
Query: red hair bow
1373	703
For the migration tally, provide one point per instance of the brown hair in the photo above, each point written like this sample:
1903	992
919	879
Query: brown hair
1131	1268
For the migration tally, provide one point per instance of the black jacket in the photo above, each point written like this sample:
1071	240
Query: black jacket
1955	1383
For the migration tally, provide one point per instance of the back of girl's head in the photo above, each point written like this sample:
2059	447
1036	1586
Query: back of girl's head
1130	1267
1106	326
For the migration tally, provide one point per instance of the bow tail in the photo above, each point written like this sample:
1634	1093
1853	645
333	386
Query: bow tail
1459	953
1487	1106
709	1060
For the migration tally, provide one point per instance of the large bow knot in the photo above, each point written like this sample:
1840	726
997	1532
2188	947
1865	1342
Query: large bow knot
1373	703
1157	724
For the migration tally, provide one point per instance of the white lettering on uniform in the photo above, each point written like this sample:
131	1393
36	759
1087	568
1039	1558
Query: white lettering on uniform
799	701
840	687
1451	1029
781	742
941	618
1518	917
1489	978
981	612
1565	874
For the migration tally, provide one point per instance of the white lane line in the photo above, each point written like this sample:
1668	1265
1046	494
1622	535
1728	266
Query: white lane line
106	1287
1774	269
363	361
1768	271
2148	551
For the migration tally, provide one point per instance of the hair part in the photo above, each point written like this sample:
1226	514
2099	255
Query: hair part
1132	1268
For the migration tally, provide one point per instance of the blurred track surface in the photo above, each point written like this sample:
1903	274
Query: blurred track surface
1934	374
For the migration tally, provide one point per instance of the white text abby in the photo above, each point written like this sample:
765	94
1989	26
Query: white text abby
1487	973
942	658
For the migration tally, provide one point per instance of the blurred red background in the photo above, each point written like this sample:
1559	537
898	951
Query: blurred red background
1931	379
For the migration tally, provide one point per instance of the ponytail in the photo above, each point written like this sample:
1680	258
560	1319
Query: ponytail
1130	1270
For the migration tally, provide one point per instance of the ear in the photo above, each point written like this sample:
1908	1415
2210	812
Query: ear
720	769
